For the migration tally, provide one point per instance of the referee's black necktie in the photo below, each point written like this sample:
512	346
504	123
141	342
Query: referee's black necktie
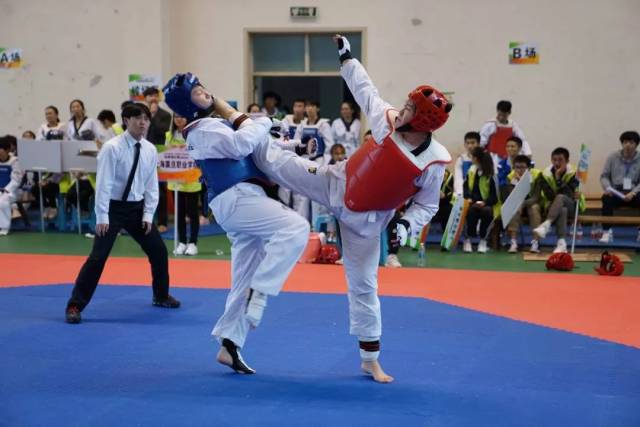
136	157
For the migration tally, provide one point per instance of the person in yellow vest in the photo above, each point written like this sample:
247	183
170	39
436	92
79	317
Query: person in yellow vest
560	192
531	204
481	188
188	196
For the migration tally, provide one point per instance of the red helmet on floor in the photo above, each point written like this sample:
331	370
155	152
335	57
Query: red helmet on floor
560	262
329	254
432	109
610	265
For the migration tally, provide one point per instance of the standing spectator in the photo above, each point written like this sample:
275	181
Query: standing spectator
52	128
480	188
620	179
531	204
160	124
160	118
82	128
10	179
108	121
271	102
318	129
294	120
464	162
188	196
560	188
495	132
126	198
346	129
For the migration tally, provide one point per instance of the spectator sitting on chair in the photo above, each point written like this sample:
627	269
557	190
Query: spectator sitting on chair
559	188
463	162
620	179
495	132
531	204
446	197
480	188
504	166
271	102
28	134
10	179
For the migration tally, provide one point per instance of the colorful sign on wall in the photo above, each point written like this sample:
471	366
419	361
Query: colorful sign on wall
10	57
521	53
139	82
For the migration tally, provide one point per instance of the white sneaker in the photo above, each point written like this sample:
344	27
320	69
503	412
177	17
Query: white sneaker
535	247
392	261
340	261
180	249
513	249
255	307
192	249
466	246
561	247
4	231
606	237
542	230
482	246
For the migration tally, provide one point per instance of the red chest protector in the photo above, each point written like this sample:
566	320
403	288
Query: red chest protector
382	176
498	141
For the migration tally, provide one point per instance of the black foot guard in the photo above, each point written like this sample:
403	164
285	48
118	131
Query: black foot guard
237	364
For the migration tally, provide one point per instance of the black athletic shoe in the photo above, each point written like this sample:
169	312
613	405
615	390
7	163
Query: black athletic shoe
237	364
72	314
168	302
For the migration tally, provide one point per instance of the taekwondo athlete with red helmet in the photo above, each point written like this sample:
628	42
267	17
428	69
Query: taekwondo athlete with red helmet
402	164
267	239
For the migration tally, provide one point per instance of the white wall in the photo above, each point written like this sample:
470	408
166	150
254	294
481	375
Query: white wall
74	49
585	89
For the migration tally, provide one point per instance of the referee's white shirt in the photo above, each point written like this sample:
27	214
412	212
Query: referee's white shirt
114	164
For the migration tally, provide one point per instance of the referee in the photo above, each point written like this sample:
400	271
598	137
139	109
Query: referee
126	197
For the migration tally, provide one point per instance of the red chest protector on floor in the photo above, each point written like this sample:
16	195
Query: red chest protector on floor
382	176
498	141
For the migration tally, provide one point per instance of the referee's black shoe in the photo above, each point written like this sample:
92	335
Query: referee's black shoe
168	302
72	314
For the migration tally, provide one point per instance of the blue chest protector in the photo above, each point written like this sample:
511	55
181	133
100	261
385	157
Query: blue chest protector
222	174
5	175
308	133
292	131
466	165
503	171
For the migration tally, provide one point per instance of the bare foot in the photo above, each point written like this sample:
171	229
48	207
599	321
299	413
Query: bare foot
374	369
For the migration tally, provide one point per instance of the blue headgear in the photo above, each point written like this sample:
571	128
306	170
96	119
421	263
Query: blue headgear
177	95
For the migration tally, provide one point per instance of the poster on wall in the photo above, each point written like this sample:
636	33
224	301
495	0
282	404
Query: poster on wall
523	53
10	57
139	82
175	164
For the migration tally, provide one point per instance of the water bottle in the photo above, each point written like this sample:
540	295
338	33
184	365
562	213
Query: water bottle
611	235
421	255
579	232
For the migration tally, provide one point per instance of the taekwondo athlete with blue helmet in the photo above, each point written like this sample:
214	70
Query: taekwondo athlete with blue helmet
267	238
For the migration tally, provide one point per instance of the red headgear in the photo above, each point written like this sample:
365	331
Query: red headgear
560	262
328	255
610	265
432	109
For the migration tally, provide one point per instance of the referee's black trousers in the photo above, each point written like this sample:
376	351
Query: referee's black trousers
127	215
